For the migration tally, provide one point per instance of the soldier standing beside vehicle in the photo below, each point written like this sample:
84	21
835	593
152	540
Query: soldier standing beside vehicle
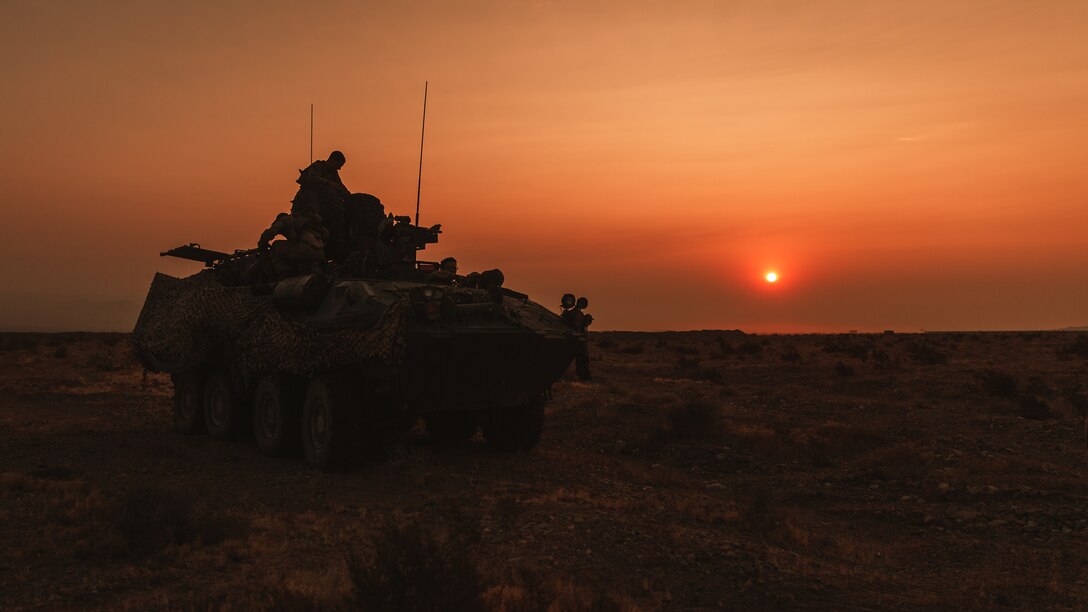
575	316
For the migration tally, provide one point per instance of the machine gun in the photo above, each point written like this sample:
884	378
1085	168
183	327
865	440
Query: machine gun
194	252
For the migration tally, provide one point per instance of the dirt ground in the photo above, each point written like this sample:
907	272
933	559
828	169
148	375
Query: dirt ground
699	470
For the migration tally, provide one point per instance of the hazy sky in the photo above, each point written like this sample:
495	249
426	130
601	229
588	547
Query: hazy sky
901	165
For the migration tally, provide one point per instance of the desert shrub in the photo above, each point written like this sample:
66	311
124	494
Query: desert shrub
681	349
790	354
61	351
724	347
694	418
711	375
687	363
417	567
18	342
1077	398
997	384
135	522
1038	386
847	347
761	513
750	348
604	343
1077	348
843	369
1032	407
633	349
925	353
106	362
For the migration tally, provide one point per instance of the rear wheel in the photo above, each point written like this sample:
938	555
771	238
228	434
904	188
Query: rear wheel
188	407
515	429
330	421
277	410
223	410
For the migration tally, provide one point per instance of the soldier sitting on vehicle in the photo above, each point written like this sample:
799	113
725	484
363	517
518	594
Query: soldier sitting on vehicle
302	251
446	274
321	190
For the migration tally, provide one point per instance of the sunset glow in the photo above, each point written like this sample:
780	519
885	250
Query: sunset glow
916	165
771	277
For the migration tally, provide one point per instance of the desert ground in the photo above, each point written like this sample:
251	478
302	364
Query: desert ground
698	470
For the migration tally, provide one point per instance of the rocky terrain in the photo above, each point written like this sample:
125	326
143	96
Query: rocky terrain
698	470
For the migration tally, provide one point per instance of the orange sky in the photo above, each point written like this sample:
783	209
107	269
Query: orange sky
907	165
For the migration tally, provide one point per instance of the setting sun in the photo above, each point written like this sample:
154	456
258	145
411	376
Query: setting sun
771	277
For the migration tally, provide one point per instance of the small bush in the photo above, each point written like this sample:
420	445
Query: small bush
1077	348
998	384
695	418
417	567
604	343
61	352
750	348
687	363
843	369
926	354
633	349
681	349
1032	407
790	354
724	347
1077	398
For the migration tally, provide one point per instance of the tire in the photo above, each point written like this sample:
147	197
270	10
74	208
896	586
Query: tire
451	426
277	414
516	429
188	403
223	409
330	421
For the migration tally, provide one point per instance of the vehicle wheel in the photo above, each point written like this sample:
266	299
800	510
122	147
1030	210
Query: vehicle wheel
451	426
330	421
188	407
223	411
277	410
514	429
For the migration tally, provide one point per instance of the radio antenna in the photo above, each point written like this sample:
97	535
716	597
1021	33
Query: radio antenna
422	132
311	132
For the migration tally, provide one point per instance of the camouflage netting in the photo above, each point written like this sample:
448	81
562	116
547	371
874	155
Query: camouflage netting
186	321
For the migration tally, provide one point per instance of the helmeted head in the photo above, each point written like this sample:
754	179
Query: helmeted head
582	302
337	159
449	264
567	301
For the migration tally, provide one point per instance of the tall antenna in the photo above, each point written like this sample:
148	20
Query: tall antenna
422	132
311	132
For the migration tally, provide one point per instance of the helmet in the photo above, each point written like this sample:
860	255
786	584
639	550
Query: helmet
337	157
568	300
582	302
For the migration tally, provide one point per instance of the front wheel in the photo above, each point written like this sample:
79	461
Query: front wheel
330	421
518	428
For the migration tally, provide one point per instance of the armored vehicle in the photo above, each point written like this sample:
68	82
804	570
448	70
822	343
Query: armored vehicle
332	359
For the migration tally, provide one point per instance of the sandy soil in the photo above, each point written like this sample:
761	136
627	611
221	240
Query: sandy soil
698	470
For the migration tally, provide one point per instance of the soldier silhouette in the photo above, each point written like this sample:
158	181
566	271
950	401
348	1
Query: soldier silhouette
574	315
322	191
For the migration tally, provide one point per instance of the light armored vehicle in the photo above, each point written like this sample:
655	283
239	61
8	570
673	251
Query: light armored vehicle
332	359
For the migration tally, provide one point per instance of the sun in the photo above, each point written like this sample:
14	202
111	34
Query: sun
772	277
